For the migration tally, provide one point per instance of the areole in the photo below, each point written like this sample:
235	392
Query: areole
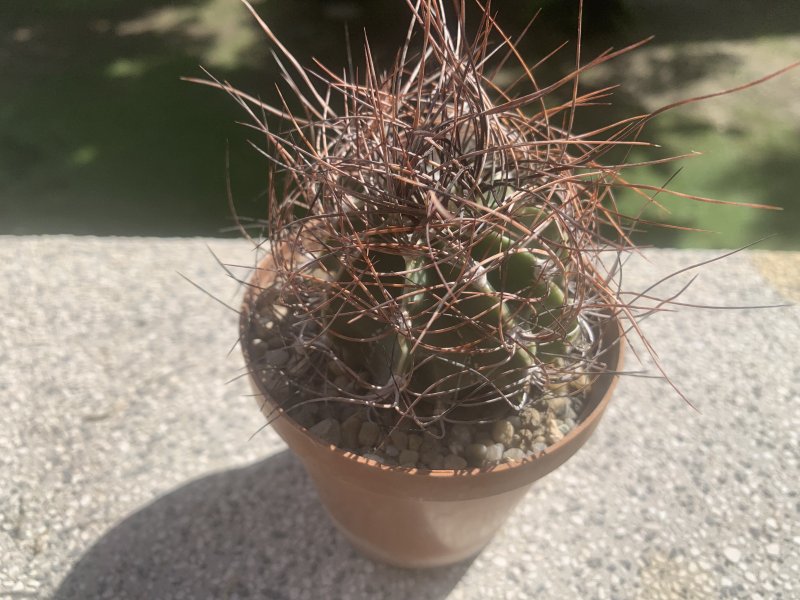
413	517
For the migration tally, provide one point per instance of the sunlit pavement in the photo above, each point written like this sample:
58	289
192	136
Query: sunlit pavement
127	468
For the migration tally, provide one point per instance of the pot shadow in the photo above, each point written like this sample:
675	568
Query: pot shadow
257	531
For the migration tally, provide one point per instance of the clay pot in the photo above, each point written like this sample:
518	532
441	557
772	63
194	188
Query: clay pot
420	518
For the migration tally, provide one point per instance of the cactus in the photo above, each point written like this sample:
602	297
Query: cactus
435	243
464	303
438	244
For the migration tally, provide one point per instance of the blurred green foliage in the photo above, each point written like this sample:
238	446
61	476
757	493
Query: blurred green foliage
98	134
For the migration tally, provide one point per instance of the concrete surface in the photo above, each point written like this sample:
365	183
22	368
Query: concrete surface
127	468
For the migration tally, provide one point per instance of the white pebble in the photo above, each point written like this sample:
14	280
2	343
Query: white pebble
732	554
494	453
500	561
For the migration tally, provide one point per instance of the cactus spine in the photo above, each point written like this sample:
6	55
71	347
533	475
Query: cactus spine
441	238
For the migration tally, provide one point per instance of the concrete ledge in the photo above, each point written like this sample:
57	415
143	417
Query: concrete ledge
127	468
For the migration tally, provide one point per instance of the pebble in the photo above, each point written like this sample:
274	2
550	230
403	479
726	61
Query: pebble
475	454
328	430
304	416
531	418
351	428
460	434
327	410
516	421
538	447
386	417
399	439
732	554
456	448
494	453
513	454
773	550
438	463
408	458
503	432
414	441
368	434
526	439
559	405
553	432
500	562
451	461
348	410
429	442
392	451
276	358
430	458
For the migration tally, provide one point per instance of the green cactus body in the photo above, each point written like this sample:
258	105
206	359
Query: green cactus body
455	327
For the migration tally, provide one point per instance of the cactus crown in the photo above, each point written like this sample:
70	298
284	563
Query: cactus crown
436	245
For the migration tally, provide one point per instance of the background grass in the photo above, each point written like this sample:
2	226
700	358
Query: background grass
98	135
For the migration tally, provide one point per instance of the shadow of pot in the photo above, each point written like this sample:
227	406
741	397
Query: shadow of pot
421	518
251	532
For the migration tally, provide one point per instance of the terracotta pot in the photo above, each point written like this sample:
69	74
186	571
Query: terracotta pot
416	518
